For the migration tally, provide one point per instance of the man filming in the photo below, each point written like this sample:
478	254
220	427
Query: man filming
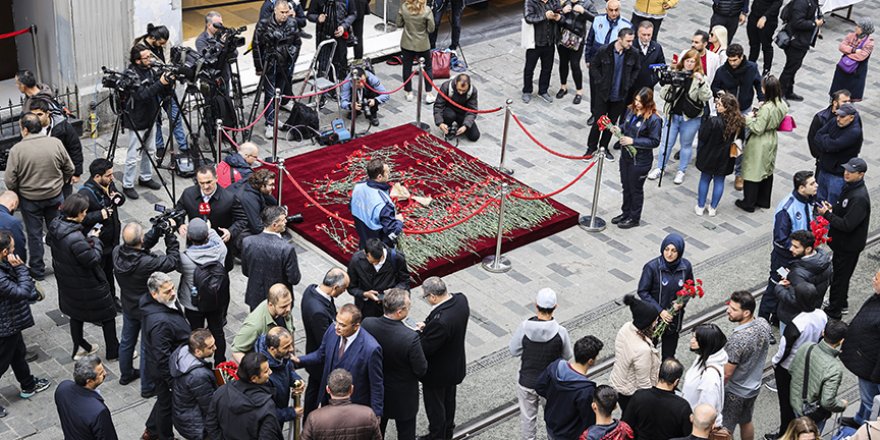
276	48
448	115
367	95
139	116
334	19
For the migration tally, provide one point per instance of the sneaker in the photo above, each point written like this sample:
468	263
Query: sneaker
772	339
151	184
429	98
591	121
608	156
527	97
546	97
679	177
698	210
81	353
738	183
135	375
269	133
3	412
39	385
410	97
130	193
577	99
772	436
37	275
655	174
148	394
794	97
712	211
771	385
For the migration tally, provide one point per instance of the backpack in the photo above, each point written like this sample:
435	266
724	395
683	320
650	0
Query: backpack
211	287
227	175
302	123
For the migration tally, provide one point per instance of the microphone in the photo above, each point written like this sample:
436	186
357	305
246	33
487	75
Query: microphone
204	209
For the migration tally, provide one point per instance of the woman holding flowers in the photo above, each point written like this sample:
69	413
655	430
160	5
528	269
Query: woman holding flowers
662	278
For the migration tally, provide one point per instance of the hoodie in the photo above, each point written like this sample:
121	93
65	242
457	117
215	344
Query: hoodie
282	380
192	388
569	395
539	343
816	270
243	411
616	430
213	250
706	385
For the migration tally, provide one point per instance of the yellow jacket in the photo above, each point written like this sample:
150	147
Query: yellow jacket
653	8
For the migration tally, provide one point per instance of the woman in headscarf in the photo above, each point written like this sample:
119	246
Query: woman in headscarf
857	46
661	278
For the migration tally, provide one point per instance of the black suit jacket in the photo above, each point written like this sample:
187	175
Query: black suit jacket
403	363
317	316
364	277
443	342
647	77
267	259
220	203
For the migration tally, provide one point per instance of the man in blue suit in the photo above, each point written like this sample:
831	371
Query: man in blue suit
346	345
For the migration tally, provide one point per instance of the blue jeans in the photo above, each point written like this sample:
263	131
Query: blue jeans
867	391
131	327
830	187
177	129
685	131
35	214
703	189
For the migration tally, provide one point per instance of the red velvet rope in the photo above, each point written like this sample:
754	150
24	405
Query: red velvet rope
548	195
14	33
544	147
449	100
260	116
229	138
367	85
319	92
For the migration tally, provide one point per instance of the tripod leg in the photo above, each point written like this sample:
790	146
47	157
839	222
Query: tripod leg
257	100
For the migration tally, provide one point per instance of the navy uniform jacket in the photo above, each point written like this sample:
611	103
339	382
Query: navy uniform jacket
83	413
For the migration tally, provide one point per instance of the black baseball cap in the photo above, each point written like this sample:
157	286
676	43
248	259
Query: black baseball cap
856	165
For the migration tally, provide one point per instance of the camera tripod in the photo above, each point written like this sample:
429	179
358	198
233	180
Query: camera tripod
271	60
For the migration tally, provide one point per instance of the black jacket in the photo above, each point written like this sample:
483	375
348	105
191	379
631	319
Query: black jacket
766	8
802	25
849	218
815	270
467	100
546	31
403	364
83	413
246	209
283	378
346	14
443	342
713	148
577	23
278	42
317	315
243	411
730	8
98	200
819	121
163	330
143	101
220	202
860	353
744	82
83	292
16	290
267	259
656	414
602	72
15	227
192	389
647	77
61	129
133	266
364	277
838	145
569	395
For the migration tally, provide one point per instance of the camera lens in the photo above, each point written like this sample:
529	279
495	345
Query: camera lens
295	218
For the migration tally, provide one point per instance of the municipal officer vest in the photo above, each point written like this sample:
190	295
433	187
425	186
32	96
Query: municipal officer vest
799	212
602	27
367	204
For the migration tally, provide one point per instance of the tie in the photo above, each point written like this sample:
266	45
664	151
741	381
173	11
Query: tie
611	25
342	348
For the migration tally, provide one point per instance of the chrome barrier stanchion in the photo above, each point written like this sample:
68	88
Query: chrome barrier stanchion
421	91
296	423
498	263
355	87
592	222
385	26
277	105
507	113
219	123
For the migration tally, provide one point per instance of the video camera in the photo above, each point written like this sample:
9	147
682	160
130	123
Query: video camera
668	76
163	222
221	50
184	65
452	132
229	37
120	81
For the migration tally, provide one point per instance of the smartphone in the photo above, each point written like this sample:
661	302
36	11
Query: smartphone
783	272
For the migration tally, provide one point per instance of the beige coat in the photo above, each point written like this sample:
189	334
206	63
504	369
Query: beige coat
37	167
636	361
416	28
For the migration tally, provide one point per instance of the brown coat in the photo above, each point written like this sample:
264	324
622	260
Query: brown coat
342	420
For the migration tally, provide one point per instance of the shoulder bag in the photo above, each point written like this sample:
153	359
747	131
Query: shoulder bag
849	65
720	432
527	35
783	38
787	124
809	409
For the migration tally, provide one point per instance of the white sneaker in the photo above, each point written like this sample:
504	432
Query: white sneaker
410	96
270	132
698	210
654	174
81	353
711	211
679	178
288	106
429	98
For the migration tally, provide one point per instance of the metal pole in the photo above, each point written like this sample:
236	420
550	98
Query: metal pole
498	263
507	113
385	26
277	105
355	99
421	81
280	164
36	53
592	222
219	123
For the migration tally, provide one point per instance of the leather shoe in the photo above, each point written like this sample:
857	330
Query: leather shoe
148	394
794	97
152	184
135	375
374	121
628	223
738	183
617	219
739	204
849	421
591	121
561	93
130	193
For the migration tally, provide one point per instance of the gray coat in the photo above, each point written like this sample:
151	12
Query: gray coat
213	250
267	259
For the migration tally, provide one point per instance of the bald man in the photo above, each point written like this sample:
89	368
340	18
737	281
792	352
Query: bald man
703	420
11	224
239	165
273	312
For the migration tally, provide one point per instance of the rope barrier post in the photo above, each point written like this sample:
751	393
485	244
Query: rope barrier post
507	112
421	91
385	26
219	123
36	53
592	222
355	88
498	263
277	105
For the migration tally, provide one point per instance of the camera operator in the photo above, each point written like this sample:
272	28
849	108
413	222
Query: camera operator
133	263
104	200
447	115
276	48
57	126
334	19
141	109
250	200
366	96
295	7
208	38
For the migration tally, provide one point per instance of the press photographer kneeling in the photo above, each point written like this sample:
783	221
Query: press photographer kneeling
447	115
367	101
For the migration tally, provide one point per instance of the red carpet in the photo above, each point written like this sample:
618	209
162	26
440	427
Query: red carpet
430	167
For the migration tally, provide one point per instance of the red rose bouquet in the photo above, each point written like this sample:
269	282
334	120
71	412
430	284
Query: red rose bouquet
819	228
690	289
605	124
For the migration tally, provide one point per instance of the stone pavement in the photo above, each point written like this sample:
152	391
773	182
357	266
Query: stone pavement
591	272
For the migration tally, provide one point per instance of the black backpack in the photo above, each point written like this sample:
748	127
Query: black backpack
302	123
211	283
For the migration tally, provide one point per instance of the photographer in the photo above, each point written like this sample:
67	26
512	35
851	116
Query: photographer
447	115
334	19
366	96
207	40
133	263
104	199
142	107
276	47
249	202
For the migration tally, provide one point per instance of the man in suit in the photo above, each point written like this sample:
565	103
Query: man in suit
443	334
373	270
318	312
210	202
268	258
345	345
650	52
403	362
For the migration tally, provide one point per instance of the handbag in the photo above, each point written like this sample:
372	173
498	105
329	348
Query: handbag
570	40
441	61
809	409
787	124
782	38
527	35
720	432
849	65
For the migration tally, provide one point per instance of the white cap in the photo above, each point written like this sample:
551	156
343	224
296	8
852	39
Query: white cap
546	298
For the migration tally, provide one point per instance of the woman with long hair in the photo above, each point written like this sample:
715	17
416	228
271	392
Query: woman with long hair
155	39
759	153
573	29
717	150
704	380
802	428
417	22
857	46
684	109
639	133
718	42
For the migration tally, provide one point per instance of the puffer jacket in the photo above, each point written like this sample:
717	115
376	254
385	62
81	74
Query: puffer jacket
244	411
815	270
730	8
705	385
826	373
16	289
282	380
83	292
266	38
653	8
133	266
637	361
191	258
192	388
143	101
546	31
861	348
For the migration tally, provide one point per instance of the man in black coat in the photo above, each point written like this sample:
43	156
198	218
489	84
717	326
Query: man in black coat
849	220
104	199
250	200
276	46
730	14
403	363
243	409
650	53
268	258
860	353
277	346
838	98
739	77
613	71
460	90
443	335
210	202
194	384
318	308
81	408
657	413
372	271
803	26
165	329
838	141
